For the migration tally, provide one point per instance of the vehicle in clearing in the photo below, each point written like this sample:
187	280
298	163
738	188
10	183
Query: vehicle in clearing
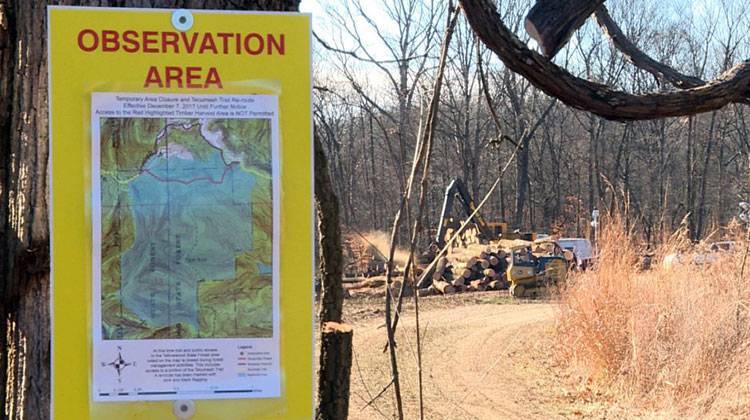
582	251
537	267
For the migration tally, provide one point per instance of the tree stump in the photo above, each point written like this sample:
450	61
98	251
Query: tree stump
333	388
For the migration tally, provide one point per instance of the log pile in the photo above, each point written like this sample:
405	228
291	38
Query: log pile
469	236
361	259
479	273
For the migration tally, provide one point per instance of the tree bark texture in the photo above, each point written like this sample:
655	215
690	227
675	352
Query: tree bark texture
333	382
329	240
729	87
552	22
24	223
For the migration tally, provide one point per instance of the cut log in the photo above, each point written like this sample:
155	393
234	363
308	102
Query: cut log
336	356
471	262
484	263
444	287
427	291
552	22
477	286
467	273
374	282
494	285
440	268
458	282
488	272
461	288
494	261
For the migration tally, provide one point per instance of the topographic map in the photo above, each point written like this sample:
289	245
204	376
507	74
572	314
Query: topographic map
186	228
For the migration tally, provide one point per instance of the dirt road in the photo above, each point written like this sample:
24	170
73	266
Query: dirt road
482	361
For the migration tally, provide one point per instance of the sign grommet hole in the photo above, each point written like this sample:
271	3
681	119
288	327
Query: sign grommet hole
183	409
182	20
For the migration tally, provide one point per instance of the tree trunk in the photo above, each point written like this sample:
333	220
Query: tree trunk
333	382
336	338
522	182
24	150
329	237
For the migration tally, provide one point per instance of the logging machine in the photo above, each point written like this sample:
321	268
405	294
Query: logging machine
488	231
537	266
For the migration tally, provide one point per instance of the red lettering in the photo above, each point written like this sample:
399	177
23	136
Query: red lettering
224	36
189	46
110	41
173	73
150	41
273	42
153	77
130	41
94	37
177	77
193	74
170	38
213	78
208	43
261	44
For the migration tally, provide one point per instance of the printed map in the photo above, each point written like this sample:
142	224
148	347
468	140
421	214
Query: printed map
186	228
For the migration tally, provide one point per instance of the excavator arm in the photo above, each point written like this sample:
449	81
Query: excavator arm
457	189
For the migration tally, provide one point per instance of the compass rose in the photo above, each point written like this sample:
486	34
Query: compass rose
119	364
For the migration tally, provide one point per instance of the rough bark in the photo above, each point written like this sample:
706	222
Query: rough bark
729	87
552	22
333	383
24	244
24	263
329	240
336	338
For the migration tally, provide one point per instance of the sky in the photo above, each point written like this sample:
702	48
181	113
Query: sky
322	25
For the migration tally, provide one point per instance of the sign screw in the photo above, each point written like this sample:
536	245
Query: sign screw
182	20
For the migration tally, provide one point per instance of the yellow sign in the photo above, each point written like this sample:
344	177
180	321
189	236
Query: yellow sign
182	254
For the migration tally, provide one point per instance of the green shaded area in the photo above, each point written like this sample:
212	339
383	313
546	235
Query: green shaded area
236	306
126	143
250	138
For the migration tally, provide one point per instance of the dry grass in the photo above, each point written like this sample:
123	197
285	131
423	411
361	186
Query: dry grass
669	339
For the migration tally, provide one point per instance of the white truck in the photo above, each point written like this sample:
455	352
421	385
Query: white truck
582	250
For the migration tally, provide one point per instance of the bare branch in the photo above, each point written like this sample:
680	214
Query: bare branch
730	87
638	57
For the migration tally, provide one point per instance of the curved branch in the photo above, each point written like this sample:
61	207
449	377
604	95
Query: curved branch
640	59
730	87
